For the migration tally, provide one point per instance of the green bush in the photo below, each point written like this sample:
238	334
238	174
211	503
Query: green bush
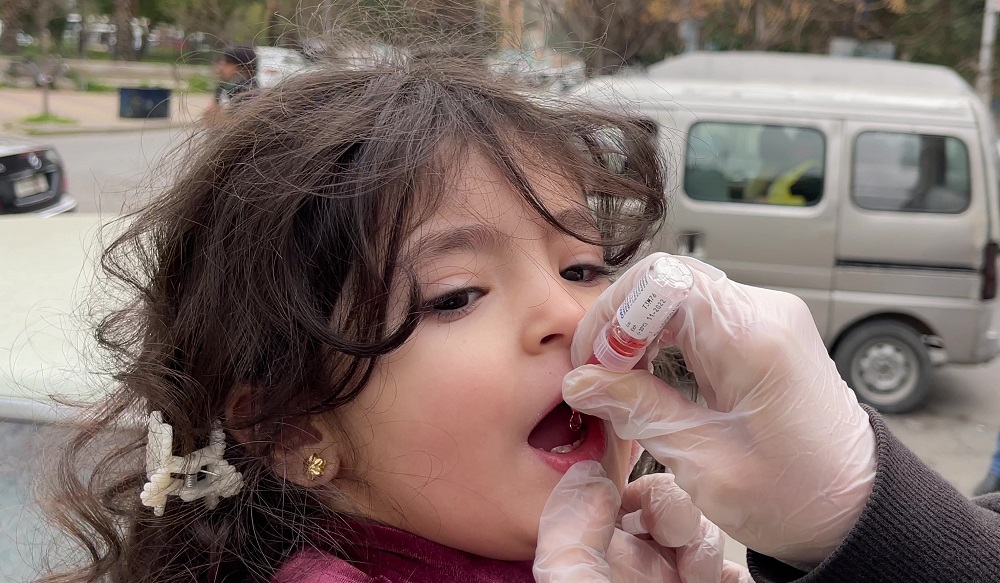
91	86
199	84
163	55
97	55
31	52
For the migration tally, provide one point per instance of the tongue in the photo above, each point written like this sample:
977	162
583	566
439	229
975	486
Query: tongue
553	430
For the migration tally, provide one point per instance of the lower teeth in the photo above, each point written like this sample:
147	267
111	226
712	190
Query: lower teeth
567	448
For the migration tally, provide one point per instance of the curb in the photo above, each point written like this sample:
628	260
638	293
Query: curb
67	130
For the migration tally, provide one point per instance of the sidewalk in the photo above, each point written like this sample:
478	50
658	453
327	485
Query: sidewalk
132	74
91	112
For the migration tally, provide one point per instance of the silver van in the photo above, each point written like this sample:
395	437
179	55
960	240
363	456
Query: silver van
867	188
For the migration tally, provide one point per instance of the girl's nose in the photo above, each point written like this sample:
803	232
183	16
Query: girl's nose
553	311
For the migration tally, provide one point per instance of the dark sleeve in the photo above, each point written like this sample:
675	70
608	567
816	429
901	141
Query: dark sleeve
243	91
916	527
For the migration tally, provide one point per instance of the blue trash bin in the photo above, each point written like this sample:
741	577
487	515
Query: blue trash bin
143	102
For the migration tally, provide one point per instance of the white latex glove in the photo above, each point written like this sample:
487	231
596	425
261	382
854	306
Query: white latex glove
783	457
579	543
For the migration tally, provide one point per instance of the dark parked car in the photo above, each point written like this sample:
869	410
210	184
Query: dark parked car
32	180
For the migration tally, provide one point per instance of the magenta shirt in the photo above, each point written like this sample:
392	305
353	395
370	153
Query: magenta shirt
382	554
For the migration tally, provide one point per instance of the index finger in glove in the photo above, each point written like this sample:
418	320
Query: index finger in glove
642	407
663	509
576	527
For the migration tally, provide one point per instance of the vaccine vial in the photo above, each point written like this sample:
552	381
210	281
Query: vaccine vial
643	314
641	317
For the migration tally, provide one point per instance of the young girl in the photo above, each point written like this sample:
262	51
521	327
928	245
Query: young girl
367	284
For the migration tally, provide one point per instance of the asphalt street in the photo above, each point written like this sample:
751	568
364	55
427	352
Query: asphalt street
954	433
106	172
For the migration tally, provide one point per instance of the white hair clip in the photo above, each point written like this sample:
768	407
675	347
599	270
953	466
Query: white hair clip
204	473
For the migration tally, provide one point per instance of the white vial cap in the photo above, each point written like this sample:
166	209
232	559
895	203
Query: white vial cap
672	274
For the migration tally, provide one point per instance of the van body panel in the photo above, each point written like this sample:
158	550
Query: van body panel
887	257
947	239
988	145
988	335
907	280
826	106
744	67
815	101
963	324
797	252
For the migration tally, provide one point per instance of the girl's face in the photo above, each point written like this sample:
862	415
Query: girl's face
456	427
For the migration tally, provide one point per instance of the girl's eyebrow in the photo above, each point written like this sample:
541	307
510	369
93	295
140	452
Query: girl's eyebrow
577	219
483	237
468	238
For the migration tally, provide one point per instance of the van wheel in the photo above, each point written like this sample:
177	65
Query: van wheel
886	364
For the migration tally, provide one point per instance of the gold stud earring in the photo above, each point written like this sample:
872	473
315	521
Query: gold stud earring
315	466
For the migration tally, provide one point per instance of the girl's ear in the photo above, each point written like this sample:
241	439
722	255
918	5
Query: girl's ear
239	410
305	452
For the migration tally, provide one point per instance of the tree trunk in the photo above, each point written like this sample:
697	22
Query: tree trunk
759	28
124	11
11	12
273	21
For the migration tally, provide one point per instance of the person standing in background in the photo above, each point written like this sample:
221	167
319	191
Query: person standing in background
991	483
236	67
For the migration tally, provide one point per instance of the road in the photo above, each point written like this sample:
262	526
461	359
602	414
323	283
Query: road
954	433
106	170
106	173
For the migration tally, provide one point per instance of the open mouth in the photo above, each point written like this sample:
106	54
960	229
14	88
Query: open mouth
561	431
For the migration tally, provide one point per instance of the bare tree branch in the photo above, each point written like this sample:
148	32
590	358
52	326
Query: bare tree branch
609	33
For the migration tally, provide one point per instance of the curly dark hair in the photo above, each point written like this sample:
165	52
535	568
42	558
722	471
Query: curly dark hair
266	265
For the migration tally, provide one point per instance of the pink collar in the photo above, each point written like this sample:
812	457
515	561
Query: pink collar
384	554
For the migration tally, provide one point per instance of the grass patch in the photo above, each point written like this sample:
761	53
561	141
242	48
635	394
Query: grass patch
154	55
98	87
200	84
47	118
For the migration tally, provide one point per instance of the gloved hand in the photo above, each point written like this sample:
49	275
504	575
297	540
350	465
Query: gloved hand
783	457
579	543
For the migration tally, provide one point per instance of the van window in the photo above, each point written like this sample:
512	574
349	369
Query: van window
895	171
755	163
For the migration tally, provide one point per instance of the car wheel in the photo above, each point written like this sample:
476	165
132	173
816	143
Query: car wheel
886	364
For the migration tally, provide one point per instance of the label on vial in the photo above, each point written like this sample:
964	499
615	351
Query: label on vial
645	311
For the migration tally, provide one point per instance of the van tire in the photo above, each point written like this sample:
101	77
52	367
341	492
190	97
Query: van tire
887	365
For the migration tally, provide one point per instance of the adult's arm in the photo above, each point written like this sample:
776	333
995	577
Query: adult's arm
915	527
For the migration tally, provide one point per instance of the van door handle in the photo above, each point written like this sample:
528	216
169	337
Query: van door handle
691	244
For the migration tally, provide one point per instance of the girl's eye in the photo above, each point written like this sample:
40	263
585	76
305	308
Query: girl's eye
585	273
453	305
